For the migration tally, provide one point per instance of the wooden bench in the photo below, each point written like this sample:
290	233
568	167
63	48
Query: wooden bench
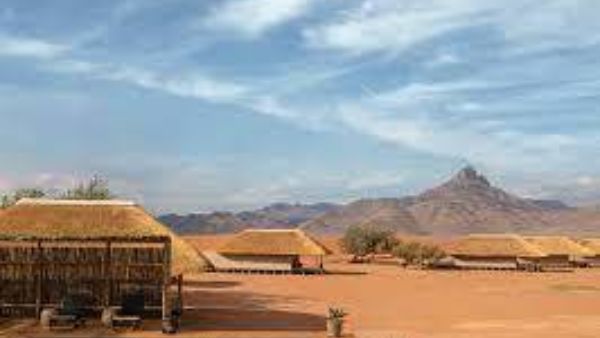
129	314
51	319
134	322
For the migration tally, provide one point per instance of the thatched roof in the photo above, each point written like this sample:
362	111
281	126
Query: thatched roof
85	219
273	243
592	244
559	245
493	245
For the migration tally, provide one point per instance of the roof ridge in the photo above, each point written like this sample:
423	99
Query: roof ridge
272	230
495	235
559	245
47	201
273	242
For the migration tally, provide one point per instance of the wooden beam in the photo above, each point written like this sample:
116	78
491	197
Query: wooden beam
118	239
107	274
180	289
38	272
166	278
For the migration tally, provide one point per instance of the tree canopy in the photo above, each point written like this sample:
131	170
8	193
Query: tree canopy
361	241
96	188
417	253
12	198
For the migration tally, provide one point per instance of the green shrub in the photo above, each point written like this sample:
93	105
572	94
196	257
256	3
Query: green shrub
336	313
417	253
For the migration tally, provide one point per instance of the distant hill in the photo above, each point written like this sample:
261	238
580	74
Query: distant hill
551	204
465	203
212	223
279	215
468	203
385	213
591	208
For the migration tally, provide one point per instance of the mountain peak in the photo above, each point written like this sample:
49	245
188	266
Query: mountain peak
468	176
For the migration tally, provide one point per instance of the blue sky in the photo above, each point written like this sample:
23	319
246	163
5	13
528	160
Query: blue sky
200	105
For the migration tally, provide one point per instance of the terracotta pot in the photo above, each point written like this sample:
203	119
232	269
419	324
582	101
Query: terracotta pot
334	327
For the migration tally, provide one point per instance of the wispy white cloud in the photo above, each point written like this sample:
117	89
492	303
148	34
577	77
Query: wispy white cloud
302	186
396	26
189	85
270	105
536	26
577	190
27	47
376	180
424	117
254	17
393	25
495	106
443	59
588	182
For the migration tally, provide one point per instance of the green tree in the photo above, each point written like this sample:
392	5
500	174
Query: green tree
364	240
95	189
6	202
15	196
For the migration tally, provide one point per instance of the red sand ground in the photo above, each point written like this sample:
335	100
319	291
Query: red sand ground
386	301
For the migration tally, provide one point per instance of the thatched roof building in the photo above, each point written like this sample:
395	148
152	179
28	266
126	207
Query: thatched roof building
592	244
559	246
85	219
270	251
494	245
274	243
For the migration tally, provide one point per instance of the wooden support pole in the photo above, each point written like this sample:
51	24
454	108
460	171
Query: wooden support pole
180	290
107	274
166	278
38	274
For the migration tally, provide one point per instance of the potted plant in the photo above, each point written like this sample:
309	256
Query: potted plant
335	322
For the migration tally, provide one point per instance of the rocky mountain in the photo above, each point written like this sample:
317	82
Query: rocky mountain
279	215
551	204
466	203
284	215
211	223
385	213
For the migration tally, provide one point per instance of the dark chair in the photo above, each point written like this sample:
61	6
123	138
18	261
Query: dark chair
78	304
133	304
132	310
72	312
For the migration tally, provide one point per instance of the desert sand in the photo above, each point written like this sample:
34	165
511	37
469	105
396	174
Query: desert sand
387	301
